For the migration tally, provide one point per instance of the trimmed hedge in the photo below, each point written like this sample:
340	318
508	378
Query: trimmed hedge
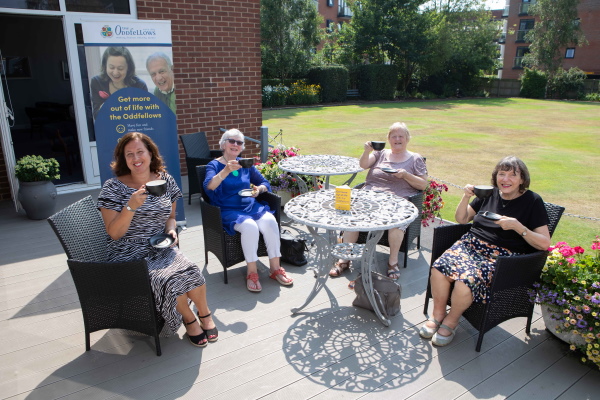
377	81
533	84
333	81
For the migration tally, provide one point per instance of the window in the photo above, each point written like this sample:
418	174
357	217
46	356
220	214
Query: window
330	3
329	24
524	26
521	51
570	53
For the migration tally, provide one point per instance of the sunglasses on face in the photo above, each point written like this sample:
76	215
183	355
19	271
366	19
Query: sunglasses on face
238	142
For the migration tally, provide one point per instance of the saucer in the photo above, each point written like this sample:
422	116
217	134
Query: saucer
161	240
389	170
489	215
245	192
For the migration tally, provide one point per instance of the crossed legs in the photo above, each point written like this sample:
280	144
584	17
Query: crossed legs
198	297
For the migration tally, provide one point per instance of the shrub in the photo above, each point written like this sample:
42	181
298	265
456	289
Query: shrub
377	81
333	81
274	96
37	168
302	93
533	84
592	97
567	84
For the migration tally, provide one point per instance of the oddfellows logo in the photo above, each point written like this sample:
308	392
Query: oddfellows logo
106	31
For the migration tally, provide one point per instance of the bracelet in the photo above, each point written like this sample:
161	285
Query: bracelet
219	176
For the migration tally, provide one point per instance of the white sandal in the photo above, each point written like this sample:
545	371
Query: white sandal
440	340
426	332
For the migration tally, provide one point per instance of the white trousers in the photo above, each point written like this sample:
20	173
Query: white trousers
249	228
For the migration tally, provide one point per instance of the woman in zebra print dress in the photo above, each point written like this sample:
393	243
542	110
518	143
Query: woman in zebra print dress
131	217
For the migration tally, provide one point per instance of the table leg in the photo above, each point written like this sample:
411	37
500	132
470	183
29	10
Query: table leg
324	262
368	261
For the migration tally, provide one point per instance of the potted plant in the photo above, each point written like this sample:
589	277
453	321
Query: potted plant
282	183
432	202
37	193
569	294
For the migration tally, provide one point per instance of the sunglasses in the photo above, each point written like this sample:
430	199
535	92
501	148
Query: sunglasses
238	142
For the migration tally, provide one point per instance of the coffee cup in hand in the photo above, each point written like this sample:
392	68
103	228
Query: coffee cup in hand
156	188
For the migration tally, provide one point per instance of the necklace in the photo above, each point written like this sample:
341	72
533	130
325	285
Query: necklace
503	203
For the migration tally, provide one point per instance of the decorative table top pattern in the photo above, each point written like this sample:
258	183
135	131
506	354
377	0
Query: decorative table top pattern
321	164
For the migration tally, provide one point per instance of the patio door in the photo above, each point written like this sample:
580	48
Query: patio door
9	156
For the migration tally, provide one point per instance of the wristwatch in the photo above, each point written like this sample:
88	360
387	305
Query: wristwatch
129	208
524	232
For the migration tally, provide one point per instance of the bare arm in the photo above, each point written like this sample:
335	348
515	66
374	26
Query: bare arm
464	212
117	222
538	238
367	158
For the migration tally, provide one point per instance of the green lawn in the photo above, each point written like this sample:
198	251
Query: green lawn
464	139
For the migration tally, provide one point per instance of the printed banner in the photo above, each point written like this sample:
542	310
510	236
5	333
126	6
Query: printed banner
132	88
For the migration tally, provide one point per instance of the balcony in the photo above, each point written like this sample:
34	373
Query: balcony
521	35
502	39
343	10
524	8
518	63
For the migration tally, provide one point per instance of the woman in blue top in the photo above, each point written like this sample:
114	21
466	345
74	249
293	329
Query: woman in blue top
225	177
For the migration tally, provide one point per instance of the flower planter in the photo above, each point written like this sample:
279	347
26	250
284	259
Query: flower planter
551	325
38	199
285	196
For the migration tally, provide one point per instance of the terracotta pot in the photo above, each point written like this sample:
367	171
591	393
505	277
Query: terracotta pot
551	324
38	199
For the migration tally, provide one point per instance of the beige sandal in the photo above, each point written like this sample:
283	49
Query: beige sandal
338	268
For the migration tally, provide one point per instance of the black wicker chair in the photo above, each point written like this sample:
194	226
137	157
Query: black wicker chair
197	152
227	248
512	279
112	295
413	231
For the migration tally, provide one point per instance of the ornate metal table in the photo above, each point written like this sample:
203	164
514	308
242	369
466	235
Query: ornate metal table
320	165
370	211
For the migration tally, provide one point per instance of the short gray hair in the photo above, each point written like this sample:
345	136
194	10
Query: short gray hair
161	55
399	126
231	133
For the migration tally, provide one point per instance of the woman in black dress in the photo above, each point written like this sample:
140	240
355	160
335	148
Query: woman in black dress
132	216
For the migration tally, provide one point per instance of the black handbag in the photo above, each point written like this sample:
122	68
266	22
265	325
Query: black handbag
387	294
292	249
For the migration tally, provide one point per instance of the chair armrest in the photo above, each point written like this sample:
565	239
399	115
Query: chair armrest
194	161
274	202
215	154
444	237
211	218
520	271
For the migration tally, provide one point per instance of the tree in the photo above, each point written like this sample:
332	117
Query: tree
557	28
289	35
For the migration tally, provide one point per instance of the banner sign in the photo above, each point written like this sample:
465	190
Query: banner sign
132	88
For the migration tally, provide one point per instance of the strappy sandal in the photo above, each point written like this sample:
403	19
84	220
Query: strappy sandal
393	272
212	334
426	332
197	340
253	277
440	340
339	268
279	276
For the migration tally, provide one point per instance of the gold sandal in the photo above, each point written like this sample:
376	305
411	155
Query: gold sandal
338	268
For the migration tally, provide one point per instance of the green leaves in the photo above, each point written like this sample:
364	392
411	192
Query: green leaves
37	168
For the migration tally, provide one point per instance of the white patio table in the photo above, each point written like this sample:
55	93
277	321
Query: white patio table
370	211
320	165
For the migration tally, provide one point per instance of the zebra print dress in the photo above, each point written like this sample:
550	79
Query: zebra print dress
171	273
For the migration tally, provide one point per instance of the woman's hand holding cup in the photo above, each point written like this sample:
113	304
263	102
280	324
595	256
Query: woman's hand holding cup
138	198
468	190
232	165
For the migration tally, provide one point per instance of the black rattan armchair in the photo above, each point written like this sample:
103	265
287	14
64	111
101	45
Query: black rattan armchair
513	277
112	295
227	248
413	231
197	152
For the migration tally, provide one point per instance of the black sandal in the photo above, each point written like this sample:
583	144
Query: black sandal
212	334
197	340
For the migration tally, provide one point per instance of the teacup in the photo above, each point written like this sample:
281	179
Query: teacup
483	191
246	162
156	188
377	145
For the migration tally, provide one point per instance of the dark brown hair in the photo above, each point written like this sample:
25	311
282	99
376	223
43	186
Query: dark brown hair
512	163
119	165
118	52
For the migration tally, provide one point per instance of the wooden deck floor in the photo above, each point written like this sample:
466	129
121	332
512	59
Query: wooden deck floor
332	350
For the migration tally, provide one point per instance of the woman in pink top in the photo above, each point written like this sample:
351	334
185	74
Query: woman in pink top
410	178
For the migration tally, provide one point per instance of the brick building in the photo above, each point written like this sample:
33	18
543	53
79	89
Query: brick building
216	57
517	21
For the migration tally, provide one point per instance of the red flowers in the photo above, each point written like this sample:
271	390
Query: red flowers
432	202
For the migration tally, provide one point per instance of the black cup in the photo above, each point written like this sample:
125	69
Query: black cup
246	162
377	145
483	191
156	188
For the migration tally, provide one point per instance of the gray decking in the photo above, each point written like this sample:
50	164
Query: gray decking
332	350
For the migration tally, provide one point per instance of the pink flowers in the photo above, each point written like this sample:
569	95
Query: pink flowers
432	202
